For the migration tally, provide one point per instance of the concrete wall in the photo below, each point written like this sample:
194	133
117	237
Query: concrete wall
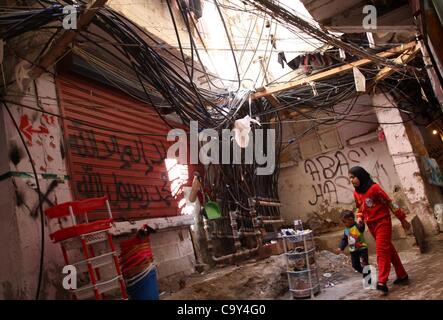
21	218
173	252
317	188
402	140
154	16
321	183
10	268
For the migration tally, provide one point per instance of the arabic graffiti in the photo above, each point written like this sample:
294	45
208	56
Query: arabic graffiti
124	194
116	175
86	144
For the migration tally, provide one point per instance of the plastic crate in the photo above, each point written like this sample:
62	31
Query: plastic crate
94	237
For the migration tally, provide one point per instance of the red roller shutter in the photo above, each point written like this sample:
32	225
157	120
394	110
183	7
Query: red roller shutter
107	157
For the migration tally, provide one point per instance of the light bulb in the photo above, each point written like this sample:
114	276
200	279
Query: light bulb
434	131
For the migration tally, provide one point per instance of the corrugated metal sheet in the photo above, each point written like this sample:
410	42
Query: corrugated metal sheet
105	155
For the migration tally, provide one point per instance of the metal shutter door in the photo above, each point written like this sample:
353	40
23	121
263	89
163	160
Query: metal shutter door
129	168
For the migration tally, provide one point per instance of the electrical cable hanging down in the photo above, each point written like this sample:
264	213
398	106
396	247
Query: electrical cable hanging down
283	15
172	76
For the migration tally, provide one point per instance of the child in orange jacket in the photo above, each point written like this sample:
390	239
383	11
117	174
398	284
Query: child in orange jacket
373	207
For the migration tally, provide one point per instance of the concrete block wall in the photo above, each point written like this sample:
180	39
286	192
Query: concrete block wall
173	252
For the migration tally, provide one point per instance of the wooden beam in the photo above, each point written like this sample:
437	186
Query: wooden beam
405	57
322	75
63	41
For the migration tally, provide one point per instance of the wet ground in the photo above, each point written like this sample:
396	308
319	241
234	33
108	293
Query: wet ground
425	273
267	279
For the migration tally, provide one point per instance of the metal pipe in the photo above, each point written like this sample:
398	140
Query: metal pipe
234	227
269	217
207	234
269	204
273	221
230	236
237	254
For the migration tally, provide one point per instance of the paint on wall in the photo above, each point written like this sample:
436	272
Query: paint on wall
321	183
108	157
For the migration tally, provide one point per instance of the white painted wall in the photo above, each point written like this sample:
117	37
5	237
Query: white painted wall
21	220
320	184
405	161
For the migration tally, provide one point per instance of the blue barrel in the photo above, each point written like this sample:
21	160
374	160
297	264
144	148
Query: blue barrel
146	288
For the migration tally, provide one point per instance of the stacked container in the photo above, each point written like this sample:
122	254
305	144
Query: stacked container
302	268
138	268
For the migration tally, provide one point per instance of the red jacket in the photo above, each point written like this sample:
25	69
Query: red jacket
375	204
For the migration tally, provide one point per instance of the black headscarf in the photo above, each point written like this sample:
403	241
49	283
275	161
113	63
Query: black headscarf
364	178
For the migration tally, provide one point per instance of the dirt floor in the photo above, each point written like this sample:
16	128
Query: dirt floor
267	279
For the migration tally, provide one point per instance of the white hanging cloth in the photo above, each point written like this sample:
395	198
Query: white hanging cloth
241	129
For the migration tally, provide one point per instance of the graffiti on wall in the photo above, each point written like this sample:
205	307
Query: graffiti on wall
329	174
28	130
124	194
131	172
119	150
38	131
86	144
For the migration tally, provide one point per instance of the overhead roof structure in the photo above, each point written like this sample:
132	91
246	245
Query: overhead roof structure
347	15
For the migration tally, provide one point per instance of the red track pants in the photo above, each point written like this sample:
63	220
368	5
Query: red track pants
381	230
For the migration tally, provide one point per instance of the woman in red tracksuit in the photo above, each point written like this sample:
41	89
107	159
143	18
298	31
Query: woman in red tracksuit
373	207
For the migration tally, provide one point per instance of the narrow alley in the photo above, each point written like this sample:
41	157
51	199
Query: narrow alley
240	150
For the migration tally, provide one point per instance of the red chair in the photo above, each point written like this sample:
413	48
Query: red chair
88	233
